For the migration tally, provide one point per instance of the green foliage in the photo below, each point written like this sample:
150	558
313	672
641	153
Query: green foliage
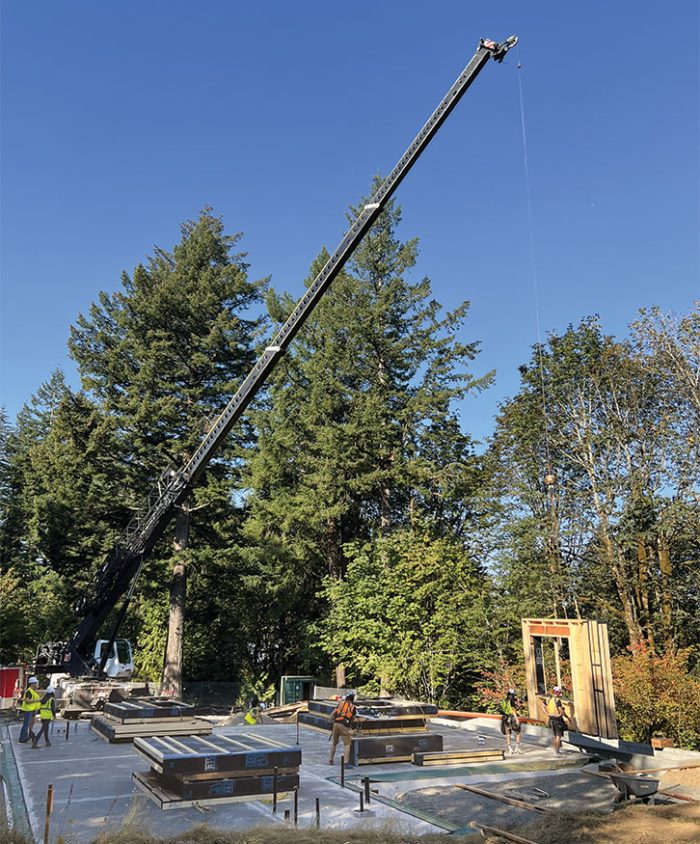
255	688
614	537
408	616
153	623
32	608
359	436
495	683
657	696
162	356
15	617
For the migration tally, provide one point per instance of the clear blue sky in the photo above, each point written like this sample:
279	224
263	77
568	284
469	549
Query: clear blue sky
120	120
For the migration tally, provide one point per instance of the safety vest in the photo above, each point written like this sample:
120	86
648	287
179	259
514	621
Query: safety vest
46	710
251	716
344	711
33	703
552	708
507	707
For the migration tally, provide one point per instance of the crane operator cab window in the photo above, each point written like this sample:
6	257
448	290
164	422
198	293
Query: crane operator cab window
119	662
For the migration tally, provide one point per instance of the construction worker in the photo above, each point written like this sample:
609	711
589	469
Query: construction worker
510	723
554	710
251	716
29	706
342	719
47	713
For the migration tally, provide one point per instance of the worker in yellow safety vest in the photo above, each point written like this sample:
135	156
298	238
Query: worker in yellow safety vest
510	722
342	719
30	707
554	710
251	716
47	712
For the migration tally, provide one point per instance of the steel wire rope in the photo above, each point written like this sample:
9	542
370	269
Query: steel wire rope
533	264
550	478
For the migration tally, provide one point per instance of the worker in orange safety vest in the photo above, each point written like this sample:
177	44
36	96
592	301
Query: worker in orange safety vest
342	719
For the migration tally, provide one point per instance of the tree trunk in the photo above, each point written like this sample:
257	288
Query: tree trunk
553	551
641	589
666	595
172	667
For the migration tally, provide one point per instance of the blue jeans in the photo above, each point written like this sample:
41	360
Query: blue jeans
25	732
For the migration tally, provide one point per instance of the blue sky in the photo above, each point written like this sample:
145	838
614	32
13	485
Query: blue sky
121	120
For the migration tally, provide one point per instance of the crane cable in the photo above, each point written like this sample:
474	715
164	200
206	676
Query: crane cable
533	265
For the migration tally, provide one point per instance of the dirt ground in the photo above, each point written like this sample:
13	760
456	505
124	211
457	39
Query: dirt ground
672	824
689	777
634	824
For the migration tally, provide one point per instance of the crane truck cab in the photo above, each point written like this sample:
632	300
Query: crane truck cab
120	659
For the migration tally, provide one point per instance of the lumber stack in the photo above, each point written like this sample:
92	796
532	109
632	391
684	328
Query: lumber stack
458	757
192	770
127	720
386	730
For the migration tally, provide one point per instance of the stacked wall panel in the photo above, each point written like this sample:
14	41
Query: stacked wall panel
194	769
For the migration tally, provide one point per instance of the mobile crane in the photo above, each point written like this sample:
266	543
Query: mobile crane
80	656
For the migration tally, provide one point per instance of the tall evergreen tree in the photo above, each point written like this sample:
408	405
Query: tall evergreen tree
360	435
21	483
162	356
35	594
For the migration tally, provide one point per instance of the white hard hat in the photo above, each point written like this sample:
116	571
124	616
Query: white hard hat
511	691
32	680
50	690
557	689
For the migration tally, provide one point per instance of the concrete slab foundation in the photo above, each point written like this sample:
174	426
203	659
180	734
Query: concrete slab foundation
93	789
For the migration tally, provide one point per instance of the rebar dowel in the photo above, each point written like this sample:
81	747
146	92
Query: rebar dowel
362	802
49	807
297	720
286	814
67	729
274	792
365	782
342	772
296	805
318	813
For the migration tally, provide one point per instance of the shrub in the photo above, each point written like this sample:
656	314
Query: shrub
656	696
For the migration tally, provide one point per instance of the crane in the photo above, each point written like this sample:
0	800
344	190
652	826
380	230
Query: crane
119	572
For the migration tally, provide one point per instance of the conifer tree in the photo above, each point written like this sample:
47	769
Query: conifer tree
35	596
162	356
360	435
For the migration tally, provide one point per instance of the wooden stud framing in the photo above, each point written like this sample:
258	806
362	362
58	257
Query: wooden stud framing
592	710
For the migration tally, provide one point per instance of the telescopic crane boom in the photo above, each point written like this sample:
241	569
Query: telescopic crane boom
123	563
